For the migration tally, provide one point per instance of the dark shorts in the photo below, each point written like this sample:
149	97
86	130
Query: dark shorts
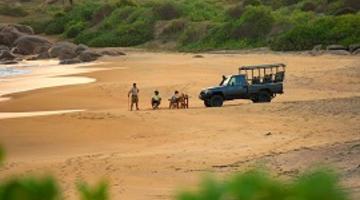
134	99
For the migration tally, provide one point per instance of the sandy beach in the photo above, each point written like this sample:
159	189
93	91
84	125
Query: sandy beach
148	155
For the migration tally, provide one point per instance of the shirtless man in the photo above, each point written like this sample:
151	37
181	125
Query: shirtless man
134	92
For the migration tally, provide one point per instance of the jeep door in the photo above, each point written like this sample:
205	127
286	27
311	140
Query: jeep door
236	88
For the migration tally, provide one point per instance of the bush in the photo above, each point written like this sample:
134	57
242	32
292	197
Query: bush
203	10
251	185
256	22
14	11
56	26
344	30
38	26
166	10
98	192
235	12
74	28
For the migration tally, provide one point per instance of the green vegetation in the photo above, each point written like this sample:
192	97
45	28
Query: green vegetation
250	185
257	185
14	11
197	25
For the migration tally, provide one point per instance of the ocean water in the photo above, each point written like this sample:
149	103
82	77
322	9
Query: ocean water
21	67
12	71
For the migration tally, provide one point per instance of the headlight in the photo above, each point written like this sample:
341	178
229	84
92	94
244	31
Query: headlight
207	91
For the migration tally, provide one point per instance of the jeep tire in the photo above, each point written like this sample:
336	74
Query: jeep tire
207	103
216	101
263	97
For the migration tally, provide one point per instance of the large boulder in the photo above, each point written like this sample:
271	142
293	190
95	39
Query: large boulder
9	33
88	56
63	50
6	55
80	48
336	47
354	47
30	44
70	61
339	52
356	52
18	27
111	52
3	47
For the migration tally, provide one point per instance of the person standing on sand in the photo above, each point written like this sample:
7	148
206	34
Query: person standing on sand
134	92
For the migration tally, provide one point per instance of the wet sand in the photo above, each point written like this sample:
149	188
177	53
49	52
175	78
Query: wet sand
150	154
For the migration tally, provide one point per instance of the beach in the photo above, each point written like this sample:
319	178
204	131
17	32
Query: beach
74	122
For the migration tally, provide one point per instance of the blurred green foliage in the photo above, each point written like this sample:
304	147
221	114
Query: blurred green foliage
284	25
98	192
12	10
319	184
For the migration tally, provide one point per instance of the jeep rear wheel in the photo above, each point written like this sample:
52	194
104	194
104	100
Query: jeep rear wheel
207	104
263	97
216	101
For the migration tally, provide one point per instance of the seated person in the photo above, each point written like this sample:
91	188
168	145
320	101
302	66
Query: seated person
174	101
156	100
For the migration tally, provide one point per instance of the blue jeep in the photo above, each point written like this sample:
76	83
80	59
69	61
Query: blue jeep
259	83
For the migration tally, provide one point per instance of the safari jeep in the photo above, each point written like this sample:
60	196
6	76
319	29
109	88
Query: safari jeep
260	84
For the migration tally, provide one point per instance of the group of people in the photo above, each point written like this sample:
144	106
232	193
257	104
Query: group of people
176	101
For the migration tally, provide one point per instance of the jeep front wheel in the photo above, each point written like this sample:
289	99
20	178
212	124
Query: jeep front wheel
216	101
207	103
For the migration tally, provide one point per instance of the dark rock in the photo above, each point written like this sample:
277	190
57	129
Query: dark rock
198	56
70	61
356	52
88	56
62	49
6	55
67	54
112	52
336	47
3	47
29	44
80	48
318	47
9	62
354	47
9	33
338	52
43	55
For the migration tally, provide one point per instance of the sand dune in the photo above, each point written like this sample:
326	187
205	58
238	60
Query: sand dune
149	154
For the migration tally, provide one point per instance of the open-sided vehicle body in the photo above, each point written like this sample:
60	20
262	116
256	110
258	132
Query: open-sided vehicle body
259	83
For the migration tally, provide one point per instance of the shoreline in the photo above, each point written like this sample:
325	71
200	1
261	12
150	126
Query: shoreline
46	74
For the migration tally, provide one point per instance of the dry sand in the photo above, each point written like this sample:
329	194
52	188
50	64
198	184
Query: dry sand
150	154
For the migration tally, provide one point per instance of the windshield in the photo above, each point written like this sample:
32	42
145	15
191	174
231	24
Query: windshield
225	81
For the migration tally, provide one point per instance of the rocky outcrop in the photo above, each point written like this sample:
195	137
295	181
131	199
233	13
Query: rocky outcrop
30	44
111	52
3	47
80	48
66	50
354	47
9	33
339	52
6	55
336	47
88	56
356	52
70	61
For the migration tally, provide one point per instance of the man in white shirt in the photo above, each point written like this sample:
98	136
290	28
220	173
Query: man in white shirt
134	92
156	100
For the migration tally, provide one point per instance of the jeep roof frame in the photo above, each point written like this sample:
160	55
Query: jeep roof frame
278	67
